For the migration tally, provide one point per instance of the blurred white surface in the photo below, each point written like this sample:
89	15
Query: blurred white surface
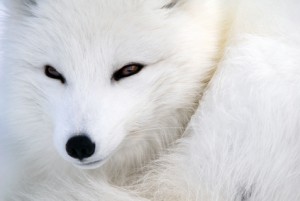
1	29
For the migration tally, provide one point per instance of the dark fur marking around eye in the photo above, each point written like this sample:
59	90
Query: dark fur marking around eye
170	5
127	71
51	72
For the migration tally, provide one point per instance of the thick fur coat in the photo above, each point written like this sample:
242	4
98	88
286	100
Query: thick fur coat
213	116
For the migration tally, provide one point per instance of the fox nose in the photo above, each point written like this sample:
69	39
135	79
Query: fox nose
80	147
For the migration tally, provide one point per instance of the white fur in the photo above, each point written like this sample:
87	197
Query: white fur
242	142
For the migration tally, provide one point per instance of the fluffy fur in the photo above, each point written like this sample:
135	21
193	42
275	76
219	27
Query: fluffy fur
157	143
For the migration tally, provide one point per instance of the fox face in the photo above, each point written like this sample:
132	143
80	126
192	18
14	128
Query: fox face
100	78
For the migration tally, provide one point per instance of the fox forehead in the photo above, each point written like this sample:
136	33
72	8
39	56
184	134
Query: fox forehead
115	7
82	29
101	13
98	15
115	3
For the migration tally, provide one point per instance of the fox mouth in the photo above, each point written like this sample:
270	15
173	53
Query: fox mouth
93	164
90	165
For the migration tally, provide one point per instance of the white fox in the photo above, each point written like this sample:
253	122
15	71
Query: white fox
116	101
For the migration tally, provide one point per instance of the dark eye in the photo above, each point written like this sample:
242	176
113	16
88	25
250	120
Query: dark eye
128	70
54	74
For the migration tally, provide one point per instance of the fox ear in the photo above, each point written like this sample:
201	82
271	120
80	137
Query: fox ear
19	6
172	3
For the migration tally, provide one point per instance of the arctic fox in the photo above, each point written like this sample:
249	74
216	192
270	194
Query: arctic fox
97	99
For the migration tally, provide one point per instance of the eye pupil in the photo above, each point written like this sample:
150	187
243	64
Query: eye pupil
130	69
127	71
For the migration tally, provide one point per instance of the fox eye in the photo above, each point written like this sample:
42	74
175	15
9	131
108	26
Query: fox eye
51	72
128	70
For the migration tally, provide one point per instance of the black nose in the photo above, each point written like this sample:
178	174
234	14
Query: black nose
80	147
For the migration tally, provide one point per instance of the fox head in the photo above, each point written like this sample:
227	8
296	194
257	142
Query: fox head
103	80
